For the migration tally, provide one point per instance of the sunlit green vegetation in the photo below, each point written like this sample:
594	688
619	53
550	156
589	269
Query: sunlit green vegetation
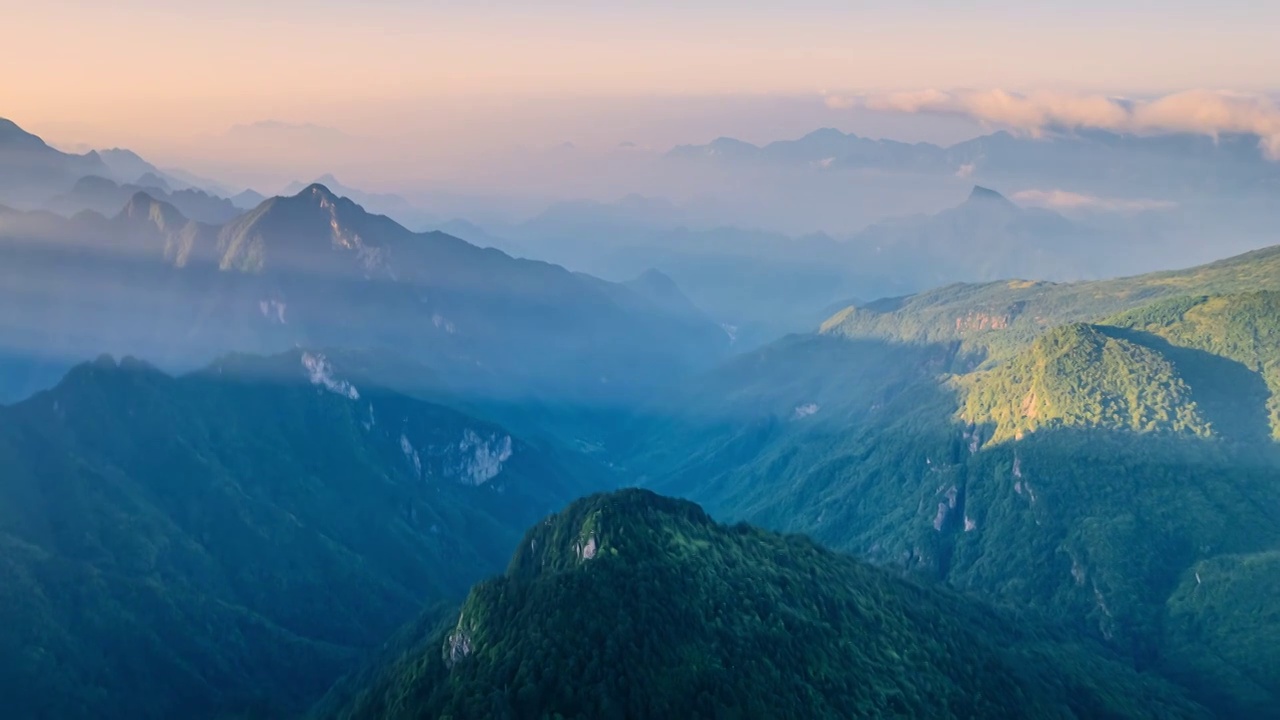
1071	452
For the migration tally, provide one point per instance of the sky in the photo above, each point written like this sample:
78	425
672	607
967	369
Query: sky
457	80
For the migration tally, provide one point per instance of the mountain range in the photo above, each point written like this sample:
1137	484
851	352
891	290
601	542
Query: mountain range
35	175
129	168
792	279
106	197
989	237
318	270
1100	452
1172	166
764	285
31	171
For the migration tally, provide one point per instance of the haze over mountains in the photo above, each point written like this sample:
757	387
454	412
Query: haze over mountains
317	270
791	282
1037	467
35	171
1170	166
106	197
767	284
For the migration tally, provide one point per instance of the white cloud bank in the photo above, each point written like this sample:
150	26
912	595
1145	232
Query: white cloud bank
1208	112
1066	200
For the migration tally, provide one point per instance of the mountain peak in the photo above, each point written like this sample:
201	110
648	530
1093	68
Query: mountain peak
142	207
625	520
731	144
123	153
319	191
655	278
94	183
140	200
151	180
983	194
711	600
247	199
828	133
297	230
103	372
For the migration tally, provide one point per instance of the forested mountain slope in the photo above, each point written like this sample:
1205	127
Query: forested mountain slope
634	605
232	540
1000	317
1100	453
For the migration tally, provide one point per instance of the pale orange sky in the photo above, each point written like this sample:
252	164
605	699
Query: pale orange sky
452	77
208	65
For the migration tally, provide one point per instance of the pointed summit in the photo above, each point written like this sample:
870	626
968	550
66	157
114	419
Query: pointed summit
828	134
626	520
656	280
153	181
148	225
325	184
144	207
982	194
90	184
319	191
304	230
248	199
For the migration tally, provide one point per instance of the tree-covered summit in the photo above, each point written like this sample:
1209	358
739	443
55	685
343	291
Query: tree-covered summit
632	605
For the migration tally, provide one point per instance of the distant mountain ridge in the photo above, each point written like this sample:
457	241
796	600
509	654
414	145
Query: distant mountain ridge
31	170
36	175
104	196
316	269
129	168
768	284
1173	165
988	237
823	149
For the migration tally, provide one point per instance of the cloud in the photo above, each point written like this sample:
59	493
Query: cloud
1066	200
1208	112
965	171
838	102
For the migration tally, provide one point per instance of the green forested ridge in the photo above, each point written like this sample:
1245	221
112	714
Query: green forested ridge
1002	317
231	541
634	605
1077	452
1078	376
